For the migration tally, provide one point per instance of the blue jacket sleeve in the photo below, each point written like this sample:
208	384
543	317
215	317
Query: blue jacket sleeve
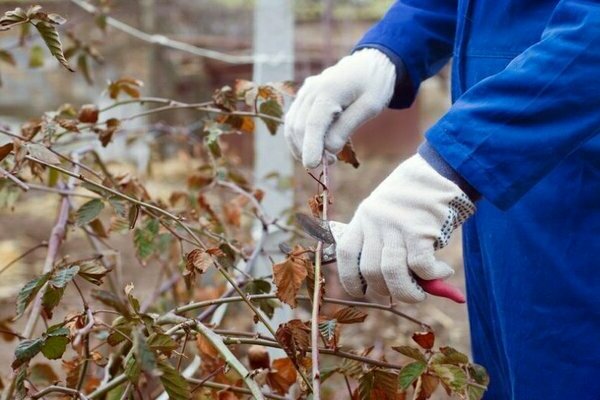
508	131
418	36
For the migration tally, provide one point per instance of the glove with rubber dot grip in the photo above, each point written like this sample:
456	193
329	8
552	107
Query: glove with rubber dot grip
396	231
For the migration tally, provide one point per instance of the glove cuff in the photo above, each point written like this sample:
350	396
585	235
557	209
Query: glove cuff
436	161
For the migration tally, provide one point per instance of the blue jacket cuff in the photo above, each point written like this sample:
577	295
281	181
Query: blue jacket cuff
403	84
436	161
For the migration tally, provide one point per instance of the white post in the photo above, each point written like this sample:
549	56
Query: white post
273	51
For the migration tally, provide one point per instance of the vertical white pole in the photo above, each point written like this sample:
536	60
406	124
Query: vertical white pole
274	50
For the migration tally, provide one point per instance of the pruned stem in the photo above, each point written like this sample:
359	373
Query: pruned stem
316	301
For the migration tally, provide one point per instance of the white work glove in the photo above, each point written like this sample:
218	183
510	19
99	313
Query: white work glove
396	230
331	105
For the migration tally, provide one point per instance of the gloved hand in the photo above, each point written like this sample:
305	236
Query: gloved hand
396	230
330	106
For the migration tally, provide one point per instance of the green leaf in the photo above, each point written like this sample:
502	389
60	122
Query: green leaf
261	286
328	330
93	271
175	385
89	212
144	238
121	327
84	68
26	350
132	370
54	347
36	57
410	352
143	355
62	277
28	292
453	356
451	376
479	374
409	373
119	206
51	299
50	35
112	300
271	108
163	343
475	392
57	330
42	153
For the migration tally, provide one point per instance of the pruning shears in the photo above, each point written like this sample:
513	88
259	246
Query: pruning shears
326	232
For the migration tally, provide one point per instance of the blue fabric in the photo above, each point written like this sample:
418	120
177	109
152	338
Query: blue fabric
522	131
434	159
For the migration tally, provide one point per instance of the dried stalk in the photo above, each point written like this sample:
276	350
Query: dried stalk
314	322
58	389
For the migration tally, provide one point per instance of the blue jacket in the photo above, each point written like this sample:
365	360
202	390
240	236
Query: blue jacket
522	131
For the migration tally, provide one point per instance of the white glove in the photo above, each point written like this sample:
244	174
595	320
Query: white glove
330	106
396	230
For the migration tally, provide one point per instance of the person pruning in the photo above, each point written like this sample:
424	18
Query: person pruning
516	159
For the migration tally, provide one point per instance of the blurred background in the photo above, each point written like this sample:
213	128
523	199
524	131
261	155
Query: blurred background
320	32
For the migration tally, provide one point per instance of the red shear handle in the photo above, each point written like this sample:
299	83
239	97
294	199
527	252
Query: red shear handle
438	287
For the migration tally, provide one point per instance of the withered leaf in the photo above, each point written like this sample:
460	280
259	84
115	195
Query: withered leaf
282	375
129	86
294	337
424	339
288	276
426	385
88	113
5	150
258	357
350	315
348	155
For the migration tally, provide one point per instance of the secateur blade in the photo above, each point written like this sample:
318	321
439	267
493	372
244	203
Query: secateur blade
316	228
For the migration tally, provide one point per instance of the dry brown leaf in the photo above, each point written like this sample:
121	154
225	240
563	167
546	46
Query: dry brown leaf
350	315
424	339
294	337
258	357
88	113
5	150
288	276
233	213
426	385
315	204
348	155
211	359
282	375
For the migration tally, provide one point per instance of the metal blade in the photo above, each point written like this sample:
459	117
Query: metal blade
316	228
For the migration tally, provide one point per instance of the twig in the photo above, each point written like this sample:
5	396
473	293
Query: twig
58	389
314	322
13	178
323	350
164	41
216	341
207	303
207	378
42	188
31	250
220	386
